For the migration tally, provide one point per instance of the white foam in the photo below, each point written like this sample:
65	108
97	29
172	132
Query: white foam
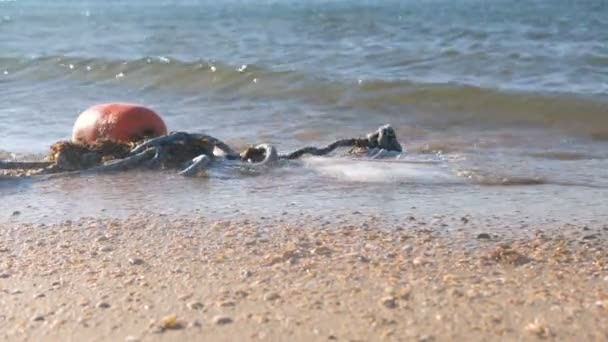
382	171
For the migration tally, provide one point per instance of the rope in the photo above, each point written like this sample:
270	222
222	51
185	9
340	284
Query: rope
325	150
158	151
10	165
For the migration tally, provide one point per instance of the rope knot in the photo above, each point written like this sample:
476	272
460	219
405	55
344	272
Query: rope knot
384	138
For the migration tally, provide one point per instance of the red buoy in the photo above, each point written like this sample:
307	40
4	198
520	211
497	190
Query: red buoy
117	121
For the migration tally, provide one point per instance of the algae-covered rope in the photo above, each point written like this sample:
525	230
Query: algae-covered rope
193	152
16	165
315	151
182	137
383	139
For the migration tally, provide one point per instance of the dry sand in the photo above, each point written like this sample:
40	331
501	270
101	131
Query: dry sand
171	278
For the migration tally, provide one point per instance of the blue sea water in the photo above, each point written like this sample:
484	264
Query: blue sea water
514	90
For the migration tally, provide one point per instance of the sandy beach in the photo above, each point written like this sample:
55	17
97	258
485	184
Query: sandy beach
170	278
487	221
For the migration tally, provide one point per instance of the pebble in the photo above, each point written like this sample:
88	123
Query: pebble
322	250
389	302
271	296
195	324
132	339
38	318
136	261
105	249
102	238
227	303
590	237
483	236
16	213
363	258
102	305
418	261
195	305
222	320
186	296
4	275
170	322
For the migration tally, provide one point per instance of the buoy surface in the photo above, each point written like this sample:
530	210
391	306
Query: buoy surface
117	121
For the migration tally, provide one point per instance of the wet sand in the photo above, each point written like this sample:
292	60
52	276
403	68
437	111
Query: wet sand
170	278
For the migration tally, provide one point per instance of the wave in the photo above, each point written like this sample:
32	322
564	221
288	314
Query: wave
259	82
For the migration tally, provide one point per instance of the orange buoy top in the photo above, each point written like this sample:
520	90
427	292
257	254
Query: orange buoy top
117	121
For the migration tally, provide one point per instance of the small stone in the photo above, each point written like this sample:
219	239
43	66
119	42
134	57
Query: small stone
426	338
39	295
170	322
102	238
136	261
195	324
418	261
195	305
4	275
16	213
483	236
464	220
407	248
538	328
363	258
222	320
186	296
132	339
590	237
38	318
271	296
102	305
105	249
322	250
226	303
261	319
389	302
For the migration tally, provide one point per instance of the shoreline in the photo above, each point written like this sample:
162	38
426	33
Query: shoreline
178	278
